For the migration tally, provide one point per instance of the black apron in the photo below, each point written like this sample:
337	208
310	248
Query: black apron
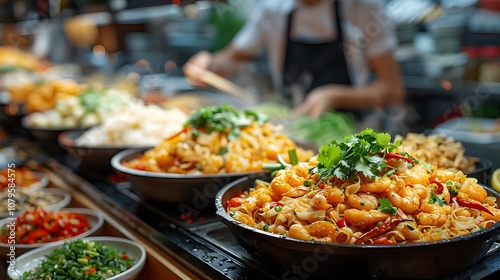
310	65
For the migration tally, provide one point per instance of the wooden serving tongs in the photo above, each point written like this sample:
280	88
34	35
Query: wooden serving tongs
217	81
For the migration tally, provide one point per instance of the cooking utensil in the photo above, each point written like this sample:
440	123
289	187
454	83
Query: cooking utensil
318	260
223	84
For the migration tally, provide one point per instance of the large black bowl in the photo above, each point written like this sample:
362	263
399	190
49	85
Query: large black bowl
89	158
172	187
46	137
299	259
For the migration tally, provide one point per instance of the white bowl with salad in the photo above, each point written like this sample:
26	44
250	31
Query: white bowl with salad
106	257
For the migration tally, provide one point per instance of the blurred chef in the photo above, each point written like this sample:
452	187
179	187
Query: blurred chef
321	53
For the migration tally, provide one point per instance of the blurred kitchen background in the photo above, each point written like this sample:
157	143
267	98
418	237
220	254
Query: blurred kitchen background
449	51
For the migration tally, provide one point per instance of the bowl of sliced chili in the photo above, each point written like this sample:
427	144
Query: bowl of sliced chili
38	227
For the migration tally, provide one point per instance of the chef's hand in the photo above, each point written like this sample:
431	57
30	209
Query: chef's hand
195	67
319	100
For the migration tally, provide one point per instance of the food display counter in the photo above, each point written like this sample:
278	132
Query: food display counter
182	241
158	262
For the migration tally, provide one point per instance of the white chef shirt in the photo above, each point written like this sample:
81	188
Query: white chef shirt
366	27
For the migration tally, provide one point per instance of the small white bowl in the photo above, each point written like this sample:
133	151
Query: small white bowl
96	221
66	199
33	258
40	184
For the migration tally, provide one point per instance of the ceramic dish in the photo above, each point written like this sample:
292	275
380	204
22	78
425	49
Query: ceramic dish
41	181
31	259
95	219
49	198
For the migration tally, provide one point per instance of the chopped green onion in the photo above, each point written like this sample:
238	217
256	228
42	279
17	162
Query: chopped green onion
292	153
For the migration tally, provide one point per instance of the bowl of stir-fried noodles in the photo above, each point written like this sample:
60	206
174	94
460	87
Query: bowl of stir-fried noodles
360	208
447	153
217	145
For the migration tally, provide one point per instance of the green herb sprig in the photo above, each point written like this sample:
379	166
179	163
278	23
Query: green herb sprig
223	118
363	152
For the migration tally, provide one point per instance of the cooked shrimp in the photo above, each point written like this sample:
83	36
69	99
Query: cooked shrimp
362	201
364	217
334	195
431	215
299	231
319	230
379	186
473	190
423	191
407	199
416	175
443	175
319	201
409	230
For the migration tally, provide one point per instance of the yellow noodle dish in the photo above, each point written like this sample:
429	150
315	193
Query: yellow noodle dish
220	139
363	191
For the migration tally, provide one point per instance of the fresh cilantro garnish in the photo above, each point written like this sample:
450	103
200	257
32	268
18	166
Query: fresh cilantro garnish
223	118
363	152
385	206
434	199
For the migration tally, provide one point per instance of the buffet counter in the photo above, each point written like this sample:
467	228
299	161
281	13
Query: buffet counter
157	261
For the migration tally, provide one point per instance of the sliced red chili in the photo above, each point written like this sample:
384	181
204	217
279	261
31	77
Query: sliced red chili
90	270
471	204
342	223
439	186
396	156
382	240
37	236
51	223
236	201
378	230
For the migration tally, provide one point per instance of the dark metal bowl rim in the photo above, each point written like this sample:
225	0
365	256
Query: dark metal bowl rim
116	163
222	215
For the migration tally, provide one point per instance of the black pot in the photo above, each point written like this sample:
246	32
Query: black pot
299	259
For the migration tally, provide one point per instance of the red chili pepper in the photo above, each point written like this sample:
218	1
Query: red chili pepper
51	223
342	223
37	236
396	156
382	240
235	201
471	204
440	187
378	230
90	270
185	129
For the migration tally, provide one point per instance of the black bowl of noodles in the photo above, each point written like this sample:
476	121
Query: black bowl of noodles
300	259
193	189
